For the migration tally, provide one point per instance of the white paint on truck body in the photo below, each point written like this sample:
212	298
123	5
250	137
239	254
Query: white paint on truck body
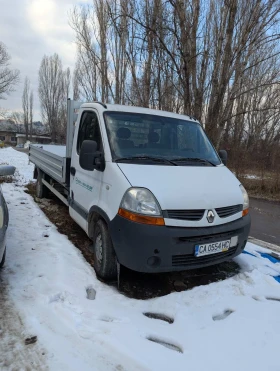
175	187
188	188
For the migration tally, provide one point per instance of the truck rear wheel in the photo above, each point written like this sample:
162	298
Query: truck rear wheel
41	189
105	261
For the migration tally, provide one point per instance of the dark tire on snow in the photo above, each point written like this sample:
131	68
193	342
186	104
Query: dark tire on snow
41	189
3	259
105	261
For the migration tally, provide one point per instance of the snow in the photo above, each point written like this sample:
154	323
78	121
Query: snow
48	280
55	149
24	169
248	176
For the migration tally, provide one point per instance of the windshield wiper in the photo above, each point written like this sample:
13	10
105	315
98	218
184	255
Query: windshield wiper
151	158
194	159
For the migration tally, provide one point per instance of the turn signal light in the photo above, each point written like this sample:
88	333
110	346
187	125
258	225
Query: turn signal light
245	212
144	219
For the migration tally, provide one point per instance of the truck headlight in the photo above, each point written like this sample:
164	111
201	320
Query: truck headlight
245	200
140	205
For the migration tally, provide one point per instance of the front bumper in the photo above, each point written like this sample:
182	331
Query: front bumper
152	249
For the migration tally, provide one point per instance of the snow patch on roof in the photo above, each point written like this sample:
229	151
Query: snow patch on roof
7	125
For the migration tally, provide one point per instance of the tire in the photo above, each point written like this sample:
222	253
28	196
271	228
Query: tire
105	261
41	189
3	259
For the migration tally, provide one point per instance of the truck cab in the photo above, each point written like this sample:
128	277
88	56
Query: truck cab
156	189
151	191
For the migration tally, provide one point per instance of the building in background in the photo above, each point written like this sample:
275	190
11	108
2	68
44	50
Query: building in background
8	131
14	134
36	138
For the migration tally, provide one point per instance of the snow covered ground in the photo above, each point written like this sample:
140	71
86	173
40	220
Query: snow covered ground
230	325
250	176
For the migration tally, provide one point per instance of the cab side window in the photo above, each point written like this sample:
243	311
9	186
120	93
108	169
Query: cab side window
89	130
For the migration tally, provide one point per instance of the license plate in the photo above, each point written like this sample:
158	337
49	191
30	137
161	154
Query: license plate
214	247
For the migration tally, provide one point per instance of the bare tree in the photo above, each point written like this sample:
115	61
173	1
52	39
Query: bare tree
31	113
62	124
3	113
17	118
53	90
76	85
92	65
216	60
8	77
26	106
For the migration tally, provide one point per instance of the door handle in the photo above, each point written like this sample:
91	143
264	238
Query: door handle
72	170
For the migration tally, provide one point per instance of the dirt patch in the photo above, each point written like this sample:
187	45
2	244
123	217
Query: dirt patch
6	179
145	286
132	284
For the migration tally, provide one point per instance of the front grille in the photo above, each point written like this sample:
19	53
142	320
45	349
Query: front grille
224	212
210	238
197	214
188	260
184	214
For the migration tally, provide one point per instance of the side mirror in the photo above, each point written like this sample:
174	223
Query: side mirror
6	170
90	158
223	156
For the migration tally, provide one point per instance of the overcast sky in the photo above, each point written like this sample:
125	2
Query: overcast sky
30	29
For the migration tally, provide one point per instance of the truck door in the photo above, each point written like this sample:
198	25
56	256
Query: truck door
85	185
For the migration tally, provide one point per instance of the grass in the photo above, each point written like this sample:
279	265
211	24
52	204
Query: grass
261	184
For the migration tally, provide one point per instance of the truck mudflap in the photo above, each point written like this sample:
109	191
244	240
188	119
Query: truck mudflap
152	249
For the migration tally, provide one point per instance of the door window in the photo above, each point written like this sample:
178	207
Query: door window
89	130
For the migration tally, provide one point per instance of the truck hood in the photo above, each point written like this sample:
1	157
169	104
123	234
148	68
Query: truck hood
186	187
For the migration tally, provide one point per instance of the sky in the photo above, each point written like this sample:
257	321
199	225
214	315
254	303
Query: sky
31	29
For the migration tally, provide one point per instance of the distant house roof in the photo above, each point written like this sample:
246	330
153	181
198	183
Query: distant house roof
37	129
37	124
8	125
34	136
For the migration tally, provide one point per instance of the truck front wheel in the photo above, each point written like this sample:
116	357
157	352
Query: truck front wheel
105	261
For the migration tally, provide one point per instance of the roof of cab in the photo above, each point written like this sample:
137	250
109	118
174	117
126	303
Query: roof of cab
122	108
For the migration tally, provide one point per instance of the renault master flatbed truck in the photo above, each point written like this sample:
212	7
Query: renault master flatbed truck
148	188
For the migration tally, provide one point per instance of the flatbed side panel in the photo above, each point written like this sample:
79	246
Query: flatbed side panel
48	162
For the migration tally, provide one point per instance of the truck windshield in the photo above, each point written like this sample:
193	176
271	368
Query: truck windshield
136	136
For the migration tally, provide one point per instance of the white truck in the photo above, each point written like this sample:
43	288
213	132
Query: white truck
148	188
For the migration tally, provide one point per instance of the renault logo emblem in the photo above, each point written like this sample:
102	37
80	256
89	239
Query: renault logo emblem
210	216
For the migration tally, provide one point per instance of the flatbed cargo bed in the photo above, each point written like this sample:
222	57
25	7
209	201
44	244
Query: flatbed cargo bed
52	160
